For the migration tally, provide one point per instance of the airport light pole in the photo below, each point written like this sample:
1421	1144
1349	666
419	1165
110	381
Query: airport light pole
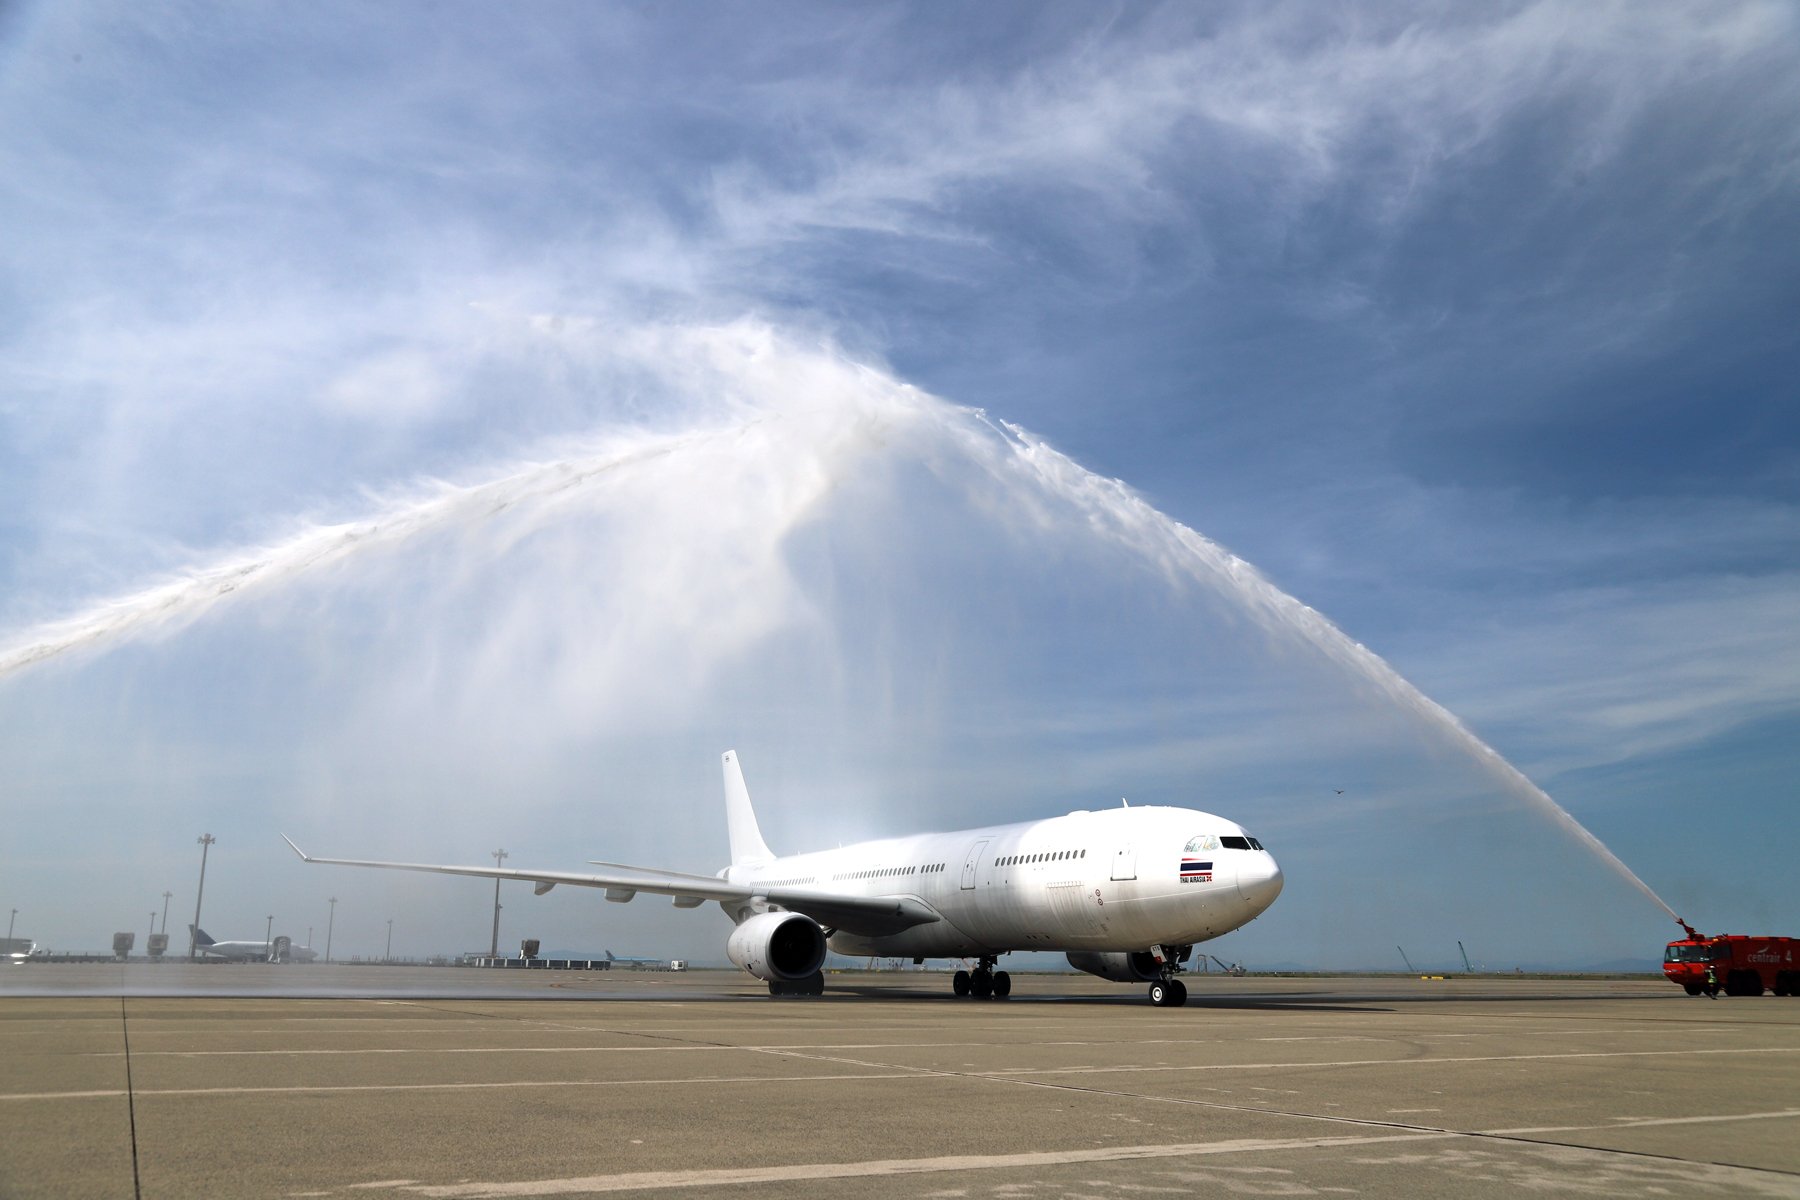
206	840
9	929
152	930
389	953
494	945
269	935
332	921
166	896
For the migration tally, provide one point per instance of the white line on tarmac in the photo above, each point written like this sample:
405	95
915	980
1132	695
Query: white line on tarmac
814	1172
814	1053
1110	1069
808	1172
514	1084
1642	1122
367	1052
890	1072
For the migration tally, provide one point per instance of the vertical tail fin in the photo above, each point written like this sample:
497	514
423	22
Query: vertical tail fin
200	937
747	845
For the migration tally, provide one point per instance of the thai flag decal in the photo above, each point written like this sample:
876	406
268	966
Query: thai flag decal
1194	870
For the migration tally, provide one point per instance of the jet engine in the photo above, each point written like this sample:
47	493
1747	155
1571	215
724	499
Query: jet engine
1139	966
778	947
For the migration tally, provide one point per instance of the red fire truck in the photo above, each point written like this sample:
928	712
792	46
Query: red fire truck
1734	964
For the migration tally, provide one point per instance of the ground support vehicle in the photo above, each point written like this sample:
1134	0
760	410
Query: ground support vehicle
1739	965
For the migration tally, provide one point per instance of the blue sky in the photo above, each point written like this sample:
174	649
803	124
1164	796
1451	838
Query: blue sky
1474	331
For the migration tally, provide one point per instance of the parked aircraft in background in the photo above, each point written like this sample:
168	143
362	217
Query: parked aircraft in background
627	961
279	950
1126	893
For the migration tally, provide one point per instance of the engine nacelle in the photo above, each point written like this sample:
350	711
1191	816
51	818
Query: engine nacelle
778	947
1139	966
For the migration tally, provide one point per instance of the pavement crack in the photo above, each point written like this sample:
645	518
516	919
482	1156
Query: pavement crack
137	1187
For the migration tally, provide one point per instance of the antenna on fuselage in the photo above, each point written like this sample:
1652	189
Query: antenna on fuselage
747	845
1124	803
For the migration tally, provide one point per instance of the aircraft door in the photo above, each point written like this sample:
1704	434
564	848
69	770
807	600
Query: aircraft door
975	853
1125	863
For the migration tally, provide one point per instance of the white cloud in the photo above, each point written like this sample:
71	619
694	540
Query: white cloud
398	387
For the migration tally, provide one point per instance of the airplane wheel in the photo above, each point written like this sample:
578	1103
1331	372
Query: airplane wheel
1002	984
982	985
1159	994
1177	993
959	983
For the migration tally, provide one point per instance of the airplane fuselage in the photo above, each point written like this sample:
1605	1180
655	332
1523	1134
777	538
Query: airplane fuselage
1113	880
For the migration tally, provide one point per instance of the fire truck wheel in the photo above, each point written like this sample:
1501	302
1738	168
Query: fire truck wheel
1692	989
1744	983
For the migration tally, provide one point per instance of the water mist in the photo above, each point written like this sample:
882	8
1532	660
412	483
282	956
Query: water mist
811	419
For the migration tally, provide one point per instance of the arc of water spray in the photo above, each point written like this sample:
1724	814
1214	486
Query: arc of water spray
1179	549
1109	505
199	590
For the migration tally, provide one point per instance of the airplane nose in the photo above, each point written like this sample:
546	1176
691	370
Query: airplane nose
1259	880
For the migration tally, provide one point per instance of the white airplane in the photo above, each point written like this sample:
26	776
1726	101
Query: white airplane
280	950
1126	893
628	961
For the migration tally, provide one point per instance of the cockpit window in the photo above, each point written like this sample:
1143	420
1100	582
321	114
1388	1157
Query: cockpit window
1255	845
1205	841
1234	842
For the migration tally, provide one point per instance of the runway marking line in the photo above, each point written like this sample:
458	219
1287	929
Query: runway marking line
809	1172
889	1071
1642	1122
874	1168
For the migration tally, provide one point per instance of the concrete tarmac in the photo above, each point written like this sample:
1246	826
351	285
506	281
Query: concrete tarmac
347	1081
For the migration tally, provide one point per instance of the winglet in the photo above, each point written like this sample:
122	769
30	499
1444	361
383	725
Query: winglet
296	849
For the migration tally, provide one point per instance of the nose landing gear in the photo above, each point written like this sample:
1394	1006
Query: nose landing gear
1168	991
982	982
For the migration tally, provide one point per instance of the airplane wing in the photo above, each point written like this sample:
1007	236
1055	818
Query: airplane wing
865	916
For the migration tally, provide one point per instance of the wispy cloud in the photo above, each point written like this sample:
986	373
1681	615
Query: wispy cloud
1352	290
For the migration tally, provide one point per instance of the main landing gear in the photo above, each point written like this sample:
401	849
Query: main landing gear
812	985
982	982
1168	993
